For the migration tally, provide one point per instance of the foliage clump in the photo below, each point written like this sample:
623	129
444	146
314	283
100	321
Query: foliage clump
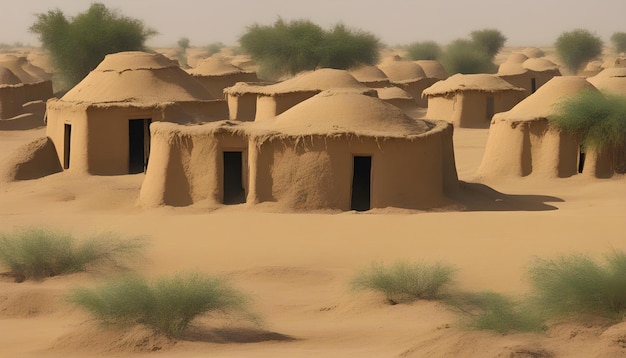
576	48
167	304
466	57
490	40
405	282
619	41
426	50
577	285
300	45
36	253
77	45
599	120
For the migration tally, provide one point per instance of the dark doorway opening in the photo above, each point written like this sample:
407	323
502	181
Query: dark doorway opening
66	146
361	183
533	85
490	108
233	178
138	145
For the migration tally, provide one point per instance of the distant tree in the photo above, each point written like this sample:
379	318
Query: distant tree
77	45
491	40
292	47
427	50
181	52
183	43
576	48
215	47
466	57
619	41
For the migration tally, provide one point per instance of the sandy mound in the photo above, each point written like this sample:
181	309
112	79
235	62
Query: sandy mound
31	161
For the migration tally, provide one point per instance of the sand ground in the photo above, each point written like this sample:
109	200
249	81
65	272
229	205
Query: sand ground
296	267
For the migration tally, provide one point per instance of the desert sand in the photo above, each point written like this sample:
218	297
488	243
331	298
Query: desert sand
297	267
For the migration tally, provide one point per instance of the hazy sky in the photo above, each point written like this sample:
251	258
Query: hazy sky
523	22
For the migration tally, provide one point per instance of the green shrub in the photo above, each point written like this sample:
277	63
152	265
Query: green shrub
77	45
215	47
38	253
292	47
492	311
466	57
599	120
578	285
576	48
490	40
404	282
619	41
427	50
168	305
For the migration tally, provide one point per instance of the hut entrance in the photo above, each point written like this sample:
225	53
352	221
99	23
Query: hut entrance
66	146
233	175
581	159
138	145
533	85
490	107
361	183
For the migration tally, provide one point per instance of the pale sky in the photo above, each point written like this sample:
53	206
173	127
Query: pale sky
523	22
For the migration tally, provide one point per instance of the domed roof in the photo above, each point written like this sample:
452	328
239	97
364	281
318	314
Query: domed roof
541	103
7	77
433	69
532	52
393	92
511	68
610	72
398	70
368	74
214	66
611	80
475	82
137	77
540	64
517	57
337	112
15	65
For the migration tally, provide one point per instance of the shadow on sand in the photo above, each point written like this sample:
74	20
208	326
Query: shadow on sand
233	335
480	197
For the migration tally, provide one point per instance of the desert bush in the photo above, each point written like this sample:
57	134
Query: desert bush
466	57
36	253
404	282
619	41
77	45
215	47
181	51
579	285
491	40
168	304
292	47
427	50
576	48
598	119
493	311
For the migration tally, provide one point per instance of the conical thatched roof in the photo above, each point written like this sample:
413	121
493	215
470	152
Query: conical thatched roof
341	112
137	77
476	82
7	77
433	69
369	74
15	65
214	66
398	70
540	64
541	104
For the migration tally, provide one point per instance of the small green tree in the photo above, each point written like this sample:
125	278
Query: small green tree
619	41
491	40
300	45
576	48
181	53
427	50
214	47
77	45
464	56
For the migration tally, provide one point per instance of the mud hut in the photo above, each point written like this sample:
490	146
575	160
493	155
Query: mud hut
470	101
611	80
101	125
274	99
533	52
433	69
37	84
371	76
527	73
215	75
409	76
11	94
338	150
521	141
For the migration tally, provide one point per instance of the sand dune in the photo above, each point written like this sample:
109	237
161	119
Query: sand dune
296	267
